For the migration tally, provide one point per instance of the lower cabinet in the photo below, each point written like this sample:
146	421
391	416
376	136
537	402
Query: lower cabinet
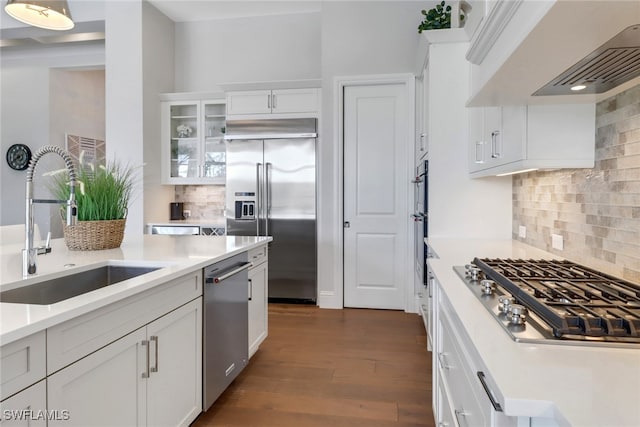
258	308
150	377
27	408
460	399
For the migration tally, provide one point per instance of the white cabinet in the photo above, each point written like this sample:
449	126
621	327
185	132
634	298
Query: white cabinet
174	385
463	388
22	363
104	388
505	140
25	408
276	101
150	377
422	116
193	150
258	298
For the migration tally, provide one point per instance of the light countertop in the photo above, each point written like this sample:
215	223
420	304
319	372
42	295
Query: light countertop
178	255
218	221
576	385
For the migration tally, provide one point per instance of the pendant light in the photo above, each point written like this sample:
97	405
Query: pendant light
49	14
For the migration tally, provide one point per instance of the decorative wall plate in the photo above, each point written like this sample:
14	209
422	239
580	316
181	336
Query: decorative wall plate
18	156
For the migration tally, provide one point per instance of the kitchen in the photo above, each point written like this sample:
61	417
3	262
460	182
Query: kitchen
325	56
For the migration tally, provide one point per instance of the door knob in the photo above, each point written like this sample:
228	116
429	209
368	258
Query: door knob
347	224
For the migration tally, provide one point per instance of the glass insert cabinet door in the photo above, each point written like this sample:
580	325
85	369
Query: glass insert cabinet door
214	154
185	141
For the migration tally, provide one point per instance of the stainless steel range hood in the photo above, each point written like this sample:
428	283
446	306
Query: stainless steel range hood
547	39
612	64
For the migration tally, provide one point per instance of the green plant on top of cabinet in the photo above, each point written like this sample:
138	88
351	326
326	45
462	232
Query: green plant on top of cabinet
193	145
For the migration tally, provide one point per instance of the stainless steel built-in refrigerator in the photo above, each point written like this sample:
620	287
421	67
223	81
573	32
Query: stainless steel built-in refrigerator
271	191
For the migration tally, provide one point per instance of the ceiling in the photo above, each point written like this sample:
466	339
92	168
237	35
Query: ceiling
206	10
89	16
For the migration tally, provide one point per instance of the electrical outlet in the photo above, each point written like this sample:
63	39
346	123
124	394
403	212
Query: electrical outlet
557	242
186	213
522	232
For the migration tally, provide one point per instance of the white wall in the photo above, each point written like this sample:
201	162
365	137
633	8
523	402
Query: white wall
459	207
124	97
39	105
24	118
358	38
157	68
76	107
279	47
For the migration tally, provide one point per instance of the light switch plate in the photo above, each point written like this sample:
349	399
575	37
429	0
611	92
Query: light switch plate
522	232
557	242
186	213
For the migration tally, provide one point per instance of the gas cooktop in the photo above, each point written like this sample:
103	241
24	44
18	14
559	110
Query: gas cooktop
557	302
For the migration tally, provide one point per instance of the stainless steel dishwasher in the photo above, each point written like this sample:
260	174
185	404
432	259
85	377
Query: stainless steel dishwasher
226	325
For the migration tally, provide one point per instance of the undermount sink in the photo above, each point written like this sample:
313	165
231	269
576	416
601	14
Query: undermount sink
61	288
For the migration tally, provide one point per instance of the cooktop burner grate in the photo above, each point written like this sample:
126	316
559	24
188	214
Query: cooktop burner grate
572	299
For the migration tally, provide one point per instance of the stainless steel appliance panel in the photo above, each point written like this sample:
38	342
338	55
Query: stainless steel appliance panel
245	169
290	202
278	173
226	325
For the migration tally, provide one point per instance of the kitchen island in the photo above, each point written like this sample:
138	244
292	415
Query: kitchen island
533	384
137	342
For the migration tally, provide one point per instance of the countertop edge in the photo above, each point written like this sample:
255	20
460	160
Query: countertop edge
116	293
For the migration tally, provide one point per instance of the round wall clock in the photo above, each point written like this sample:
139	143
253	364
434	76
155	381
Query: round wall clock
18	156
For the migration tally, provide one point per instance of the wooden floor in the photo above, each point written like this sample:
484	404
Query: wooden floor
332	368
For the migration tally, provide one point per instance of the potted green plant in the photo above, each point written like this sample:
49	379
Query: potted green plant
437	18
102	199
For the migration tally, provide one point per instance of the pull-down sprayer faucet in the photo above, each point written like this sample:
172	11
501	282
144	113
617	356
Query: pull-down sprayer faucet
29	253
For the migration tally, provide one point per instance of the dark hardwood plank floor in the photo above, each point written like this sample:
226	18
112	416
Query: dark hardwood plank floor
332	368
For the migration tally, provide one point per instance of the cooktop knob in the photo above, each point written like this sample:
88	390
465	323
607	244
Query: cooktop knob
518	314
488	286
505	303
474	273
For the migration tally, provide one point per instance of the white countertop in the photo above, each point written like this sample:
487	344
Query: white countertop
177	254
576	385
209	222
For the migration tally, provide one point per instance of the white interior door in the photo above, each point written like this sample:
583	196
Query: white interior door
375	196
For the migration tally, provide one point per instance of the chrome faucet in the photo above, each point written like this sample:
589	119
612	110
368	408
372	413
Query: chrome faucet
30	253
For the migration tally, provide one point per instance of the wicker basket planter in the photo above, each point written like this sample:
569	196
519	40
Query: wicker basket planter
94	235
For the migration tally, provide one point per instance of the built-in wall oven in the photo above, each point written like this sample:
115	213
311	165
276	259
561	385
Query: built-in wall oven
421	218
423	281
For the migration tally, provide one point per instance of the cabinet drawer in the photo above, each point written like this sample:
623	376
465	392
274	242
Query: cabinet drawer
14	409
22	363
459	379
258	255
76	338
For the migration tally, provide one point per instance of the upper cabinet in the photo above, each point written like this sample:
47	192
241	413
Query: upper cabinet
522	46
506	140
193	150
275	101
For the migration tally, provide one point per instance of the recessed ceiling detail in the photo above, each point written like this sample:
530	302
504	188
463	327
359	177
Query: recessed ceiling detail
612	64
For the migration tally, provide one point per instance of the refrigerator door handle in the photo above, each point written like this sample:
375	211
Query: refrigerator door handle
258	198
268	197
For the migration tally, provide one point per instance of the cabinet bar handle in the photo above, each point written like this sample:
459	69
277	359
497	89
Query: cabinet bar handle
479	151
154	338
273	101
146	373
487	390
494	144
443	361
457	413
250	289
225	276
269	101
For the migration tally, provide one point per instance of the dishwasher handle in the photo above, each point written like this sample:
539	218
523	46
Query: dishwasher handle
232	272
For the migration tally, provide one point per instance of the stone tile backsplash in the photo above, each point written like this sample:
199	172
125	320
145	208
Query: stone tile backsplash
204	201
597	211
